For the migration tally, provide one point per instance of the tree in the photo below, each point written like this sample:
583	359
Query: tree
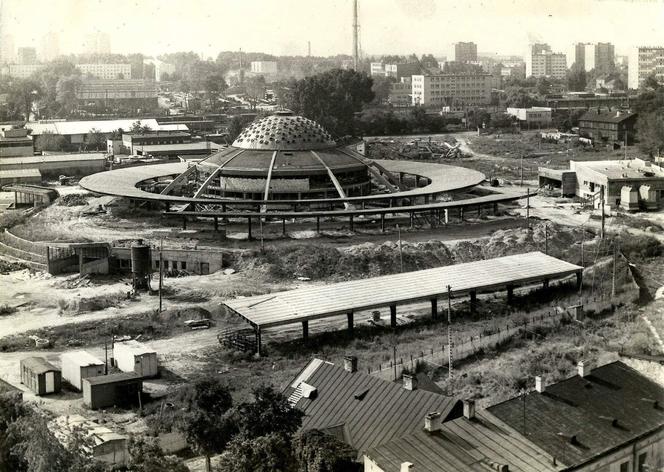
331	98
381	89
650	133
23	94
11	410
576	78
237	124
214	85
270	453
49	141
269	413
95	139
517	97
255	90
316	451
65	91
145	455
501	120
138	128
206	421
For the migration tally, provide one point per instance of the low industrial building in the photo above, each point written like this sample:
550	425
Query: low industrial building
184	150
629	184
532	117
79	365
100	442
610	127
103	391
15	143
401	93
30	195
53	165
132	356
40	376
20	176
361	410
134	142
133	93
606	419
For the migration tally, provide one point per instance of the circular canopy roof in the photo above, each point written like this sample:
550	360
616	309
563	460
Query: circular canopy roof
279	132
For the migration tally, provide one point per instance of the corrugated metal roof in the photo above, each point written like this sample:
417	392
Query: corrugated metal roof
112	378
38	365
291	306
32	160
464	445
584	408
80	358
15	173
365	410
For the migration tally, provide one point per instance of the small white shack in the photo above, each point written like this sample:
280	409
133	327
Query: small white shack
79	365
132	356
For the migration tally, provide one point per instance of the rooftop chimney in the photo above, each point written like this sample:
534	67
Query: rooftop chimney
469	409
409	382
406	467
433	421
350	364
582	369
539	384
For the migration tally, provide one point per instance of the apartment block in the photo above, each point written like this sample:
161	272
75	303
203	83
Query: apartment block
454	90
643	62
542	62
106	71
465	52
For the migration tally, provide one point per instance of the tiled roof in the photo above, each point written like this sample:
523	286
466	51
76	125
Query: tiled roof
581	418
606	117
480	444
364	410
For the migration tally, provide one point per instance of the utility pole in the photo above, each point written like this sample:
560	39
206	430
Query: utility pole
161	272
601	194
583	237
528	207
394	360
546	239
613	279
449	330
400	250
521	169
356	40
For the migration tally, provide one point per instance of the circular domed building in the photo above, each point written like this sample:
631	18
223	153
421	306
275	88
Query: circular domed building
283	157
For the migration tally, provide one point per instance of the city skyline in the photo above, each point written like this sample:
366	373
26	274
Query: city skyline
327	25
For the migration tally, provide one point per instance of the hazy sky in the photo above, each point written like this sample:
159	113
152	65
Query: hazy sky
285	26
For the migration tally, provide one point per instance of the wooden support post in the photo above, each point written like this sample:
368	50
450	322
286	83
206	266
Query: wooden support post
479	211
184	222
461	213
216	223
382	222
223	209
351	222
283	226
249	236
434	308
426	199
473	301
393	316
412	219
579	280
510	293
447	216
350	321
305	330
259	344
495	209
318	224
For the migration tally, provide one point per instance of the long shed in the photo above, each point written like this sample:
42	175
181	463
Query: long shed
40	376
78	365
119	389
132	356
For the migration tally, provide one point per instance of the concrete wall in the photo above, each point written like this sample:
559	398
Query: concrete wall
194	260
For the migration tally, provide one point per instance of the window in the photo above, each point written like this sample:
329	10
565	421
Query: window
166	265
624	467
642	462
183	265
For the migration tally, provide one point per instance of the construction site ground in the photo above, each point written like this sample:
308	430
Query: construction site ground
34	304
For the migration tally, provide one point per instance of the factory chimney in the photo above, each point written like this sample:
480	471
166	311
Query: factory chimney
356	45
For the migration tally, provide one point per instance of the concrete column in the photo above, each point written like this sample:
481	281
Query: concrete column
401	177
447	216
434	308
283	226
351	222
473	301
426	199
412	219
479	211
318	224
461	213
305	330
249	236
259	347
184	222
223	209
350	320
382	222
393	316
510	293
495	209
216	223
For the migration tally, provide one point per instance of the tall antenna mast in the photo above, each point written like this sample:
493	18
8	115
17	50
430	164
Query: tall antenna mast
356	33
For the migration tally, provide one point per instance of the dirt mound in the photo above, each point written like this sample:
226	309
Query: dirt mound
74	199
184	314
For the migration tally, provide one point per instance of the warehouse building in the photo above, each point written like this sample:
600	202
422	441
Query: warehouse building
103	391
628	184
79	365
133	142
132	356
53	165
15	143
612	127
40	376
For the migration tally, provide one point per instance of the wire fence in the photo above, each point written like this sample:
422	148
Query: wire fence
438	356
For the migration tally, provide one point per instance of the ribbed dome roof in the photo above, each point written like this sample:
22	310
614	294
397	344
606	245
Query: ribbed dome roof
279	132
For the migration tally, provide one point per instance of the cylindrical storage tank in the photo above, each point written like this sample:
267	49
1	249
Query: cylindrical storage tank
141	265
